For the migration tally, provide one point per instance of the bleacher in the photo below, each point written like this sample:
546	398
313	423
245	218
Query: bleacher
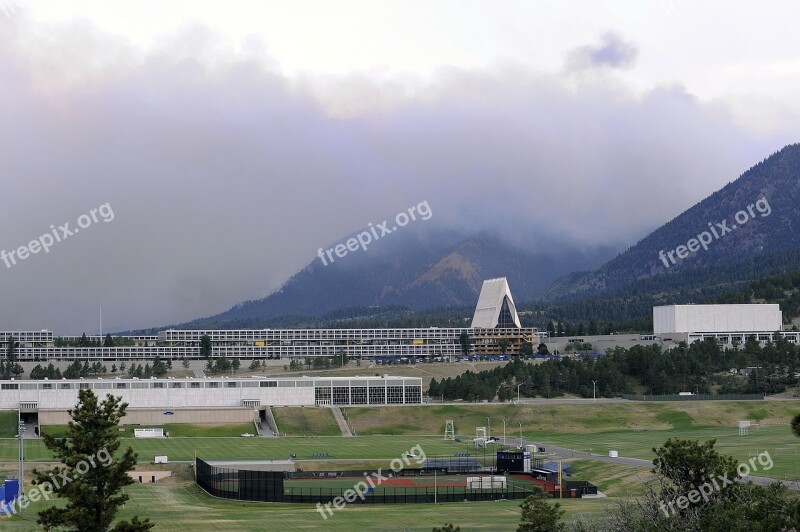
452	465
552	467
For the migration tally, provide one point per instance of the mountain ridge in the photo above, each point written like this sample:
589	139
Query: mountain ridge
776	179
421	270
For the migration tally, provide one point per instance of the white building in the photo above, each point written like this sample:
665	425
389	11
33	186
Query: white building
495	306
27	338
206	400
716	319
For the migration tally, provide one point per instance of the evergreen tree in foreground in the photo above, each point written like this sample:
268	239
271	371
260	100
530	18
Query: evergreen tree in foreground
95	479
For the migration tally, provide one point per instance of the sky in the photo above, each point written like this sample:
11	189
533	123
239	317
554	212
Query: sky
206	150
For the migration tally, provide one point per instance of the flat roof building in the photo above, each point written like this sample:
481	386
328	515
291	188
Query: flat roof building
218	399
763	318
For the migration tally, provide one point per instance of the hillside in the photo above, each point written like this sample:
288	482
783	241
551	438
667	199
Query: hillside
747	231
414	270
771	278
757	216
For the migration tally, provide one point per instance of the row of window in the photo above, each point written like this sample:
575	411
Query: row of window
27	336
300	334
107	385
244	351
372	395
728	338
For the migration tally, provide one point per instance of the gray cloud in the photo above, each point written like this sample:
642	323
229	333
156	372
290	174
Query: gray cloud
225	177
611	52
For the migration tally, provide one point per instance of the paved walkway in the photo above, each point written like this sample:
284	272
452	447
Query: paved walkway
343	427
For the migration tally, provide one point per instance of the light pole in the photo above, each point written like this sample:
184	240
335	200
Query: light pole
504	431
20	432
489	428
520	433
518	385
594	390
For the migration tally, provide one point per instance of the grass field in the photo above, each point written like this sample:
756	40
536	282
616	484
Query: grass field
182	430
183	506
310	421
632	429
568	418
615	480
8	423
778	440
183	449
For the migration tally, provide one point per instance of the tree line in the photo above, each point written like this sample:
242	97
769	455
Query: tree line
84	341
702	367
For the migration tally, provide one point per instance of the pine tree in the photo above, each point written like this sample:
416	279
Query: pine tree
205	347
93	493
11	350
539	516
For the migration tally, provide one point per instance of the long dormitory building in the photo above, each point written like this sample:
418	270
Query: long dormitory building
495	330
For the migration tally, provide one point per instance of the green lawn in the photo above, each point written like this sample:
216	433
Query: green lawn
208	430
177	504
614	480
305	421
632	429
778	440
183	506
183	449
185	430
567	418
8	423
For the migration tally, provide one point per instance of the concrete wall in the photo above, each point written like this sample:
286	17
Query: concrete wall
157	417
147	477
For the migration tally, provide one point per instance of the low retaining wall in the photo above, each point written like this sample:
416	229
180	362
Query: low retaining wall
696	397
139	416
